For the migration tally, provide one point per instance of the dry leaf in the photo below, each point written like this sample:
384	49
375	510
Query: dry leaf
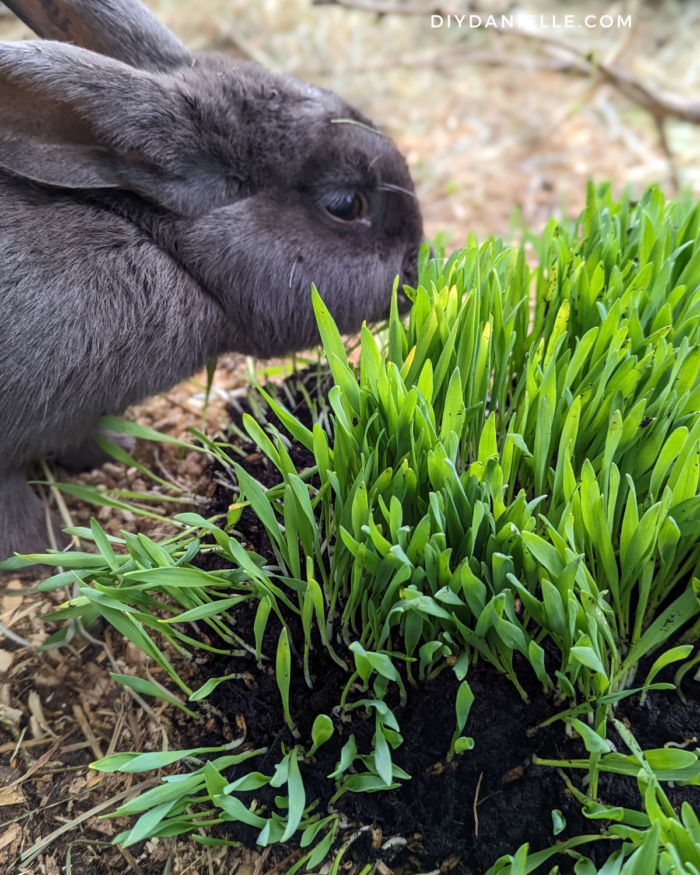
49	679
38	638
6	658
10	603
13	617
135	655
11	796
52	867
77	785
9	716
100	687
95	778
10	835
106	827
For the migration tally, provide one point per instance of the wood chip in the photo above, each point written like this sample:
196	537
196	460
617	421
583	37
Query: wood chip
11	834
11	603
513	774
37	721
9	618
9	716
76	786
6	660
11	796
106	827
86	729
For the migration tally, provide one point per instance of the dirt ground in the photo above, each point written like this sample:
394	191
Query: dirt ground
490	123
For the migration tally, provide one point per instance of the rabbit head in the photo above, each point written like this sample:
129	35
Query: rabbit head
256	184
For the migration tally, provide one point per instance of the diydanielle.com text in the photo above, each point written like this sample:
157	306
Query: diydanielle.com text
530	22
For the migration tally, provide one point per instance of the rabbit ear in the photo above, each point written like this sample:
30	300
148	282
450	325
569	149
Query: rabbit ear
120	29
74	119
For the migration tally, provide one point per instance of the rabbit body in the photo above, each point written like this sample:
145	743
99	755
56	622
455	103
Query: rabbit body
154	216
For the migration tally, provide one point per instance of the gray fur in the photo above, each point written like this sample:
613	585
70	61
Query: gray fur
158	209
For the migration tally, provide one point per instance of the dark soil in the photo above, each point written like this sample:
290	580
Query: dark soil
462	815
434	811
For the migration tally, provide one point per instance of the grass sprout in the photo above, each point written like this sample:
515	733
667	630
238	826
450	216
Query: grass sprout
515	470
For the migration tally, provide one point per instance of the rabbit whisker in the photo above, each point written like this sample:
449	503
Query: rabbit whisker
351	121
387	186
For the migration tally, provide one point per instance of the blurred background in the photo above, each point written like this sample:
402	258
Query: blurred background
488	120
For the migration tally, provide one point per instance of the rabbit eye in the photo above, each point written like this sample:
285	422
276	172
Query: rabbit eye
349	208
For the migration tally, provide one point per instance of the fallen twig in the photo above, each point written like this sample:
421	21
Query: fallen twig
445	60
35	766
44	843
87	731
382	8
476	803
130	860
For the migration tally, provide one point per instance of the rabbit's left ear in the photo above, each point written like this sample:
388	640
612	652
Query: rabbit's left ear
74	119
120	29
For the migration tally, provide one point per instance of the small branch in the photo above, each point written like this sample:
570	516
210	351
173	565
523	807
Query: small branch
130	860
381	8
444	60
42	844
660	104
673	167
37	764
87	731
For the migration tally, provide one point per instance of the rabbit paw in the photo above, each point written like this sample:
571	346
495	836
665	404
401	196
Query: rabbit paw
23	523
90	455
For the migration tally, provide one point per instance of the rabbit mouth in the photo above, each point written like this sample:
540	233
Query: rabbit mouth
409	268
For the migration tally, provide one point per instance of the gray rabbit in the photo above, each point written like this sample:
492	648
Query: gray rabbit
158	208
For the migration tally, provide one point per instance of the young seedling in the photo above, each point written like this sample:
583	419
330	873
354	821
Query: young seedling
283	673
260	624
321	731
460	743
